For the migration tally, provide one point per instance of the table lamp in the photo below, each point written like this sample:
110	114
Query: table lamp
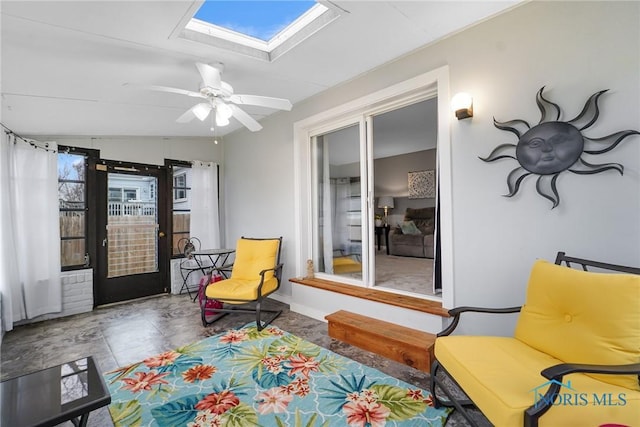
386	203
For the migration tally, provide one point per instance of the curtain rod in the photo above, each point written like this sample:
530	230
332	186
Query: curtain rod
33	143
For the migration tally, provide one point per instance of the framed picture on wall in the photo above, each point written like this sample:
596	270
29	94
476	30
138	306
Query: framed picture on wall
422	184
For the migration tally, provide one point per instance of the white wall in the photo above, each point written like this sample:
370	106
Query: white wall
573	48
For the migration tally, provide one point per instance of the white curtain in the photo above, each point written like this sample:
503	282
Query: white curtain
205	220
29	230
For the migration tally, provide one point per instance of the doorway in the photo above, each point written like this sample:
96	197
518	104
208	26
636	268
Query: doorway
131	232
404	144
433	84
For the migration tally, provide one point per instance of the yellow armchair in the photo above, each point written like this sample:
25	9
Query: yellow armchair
255	274
574	356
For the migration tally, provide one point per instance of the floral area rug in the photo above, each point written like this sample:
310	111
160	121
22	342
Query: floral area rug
270	378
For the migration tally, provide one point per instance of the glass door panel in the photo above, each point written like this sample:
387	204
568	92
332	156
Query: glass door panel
338	205
132	225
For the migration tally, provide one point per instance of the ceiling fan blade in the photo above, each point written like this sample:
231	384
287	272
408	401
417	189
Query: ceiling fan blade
186	117
176	90
245	118
166	89
262	101
200	111
210	75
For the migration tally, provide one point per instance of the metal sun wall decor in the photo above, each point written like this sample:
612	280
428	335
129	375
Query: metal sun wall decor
553	146
422	184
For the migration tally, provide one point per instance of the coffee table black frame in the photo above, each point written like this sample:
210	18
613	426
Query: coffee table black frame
66	392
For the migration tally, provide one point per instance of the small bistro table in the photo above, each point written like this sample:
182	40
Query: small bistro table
217	262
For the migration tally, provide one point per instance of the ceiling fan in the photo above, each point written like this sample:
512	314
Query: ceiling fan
219	97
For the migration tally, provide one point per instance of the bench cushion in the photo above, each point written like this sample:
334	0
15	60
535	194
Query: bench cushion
583	317
501	376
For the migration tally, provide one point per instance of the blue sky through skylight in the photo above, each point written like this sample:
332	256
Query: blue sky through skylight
259	19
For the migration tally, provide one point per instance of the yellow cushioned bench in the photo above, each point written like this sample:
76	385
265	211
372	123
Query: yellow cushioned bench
574	326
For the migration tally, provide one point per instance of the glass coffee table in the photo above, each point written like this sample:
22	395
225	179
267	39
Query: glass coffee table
67	392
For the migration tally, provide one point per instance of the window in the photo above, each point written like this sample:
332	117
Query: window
75	205
115	194
179	186
130	194
261	29
121	194
181	207
259	19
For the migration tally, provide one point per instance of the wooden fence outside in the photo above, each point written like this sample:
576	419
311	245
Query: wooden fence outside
132	241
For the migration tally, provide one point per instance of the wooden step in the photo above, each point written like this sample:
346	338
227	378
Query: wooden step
399	343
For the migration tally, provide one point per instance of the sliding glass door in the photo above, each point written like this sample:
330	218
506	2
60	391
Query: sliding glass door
338	205
354	168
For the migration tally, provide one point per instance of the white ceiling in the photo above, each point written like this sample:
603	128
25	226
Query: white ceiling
65	64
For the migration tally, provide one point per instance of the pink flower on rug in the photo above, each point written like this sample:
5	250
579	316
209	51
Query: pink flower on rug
218	403
369	396
301	386
206	419
275	331
144	381
272	364
234	336
365	414
415	394
199	373
273	400
418	395
162	359
303	390
288	389
428	400
302	364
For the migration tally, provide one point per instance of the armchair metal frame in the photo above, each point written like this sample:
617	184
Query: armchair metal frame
258	310
557	372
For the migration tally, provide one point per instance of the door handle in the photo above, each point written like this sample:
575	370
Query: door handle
104	242
161	234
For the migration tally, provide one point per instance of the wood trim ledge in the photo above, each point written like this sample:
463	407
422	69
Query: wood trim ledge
404	301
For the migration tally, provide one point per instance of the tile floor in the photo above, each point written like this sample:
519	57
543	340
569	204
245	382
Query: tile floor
122	334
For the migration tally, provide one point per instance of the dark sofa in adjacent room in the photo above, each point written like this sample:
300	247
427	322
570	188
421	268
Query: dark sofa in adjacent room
414	237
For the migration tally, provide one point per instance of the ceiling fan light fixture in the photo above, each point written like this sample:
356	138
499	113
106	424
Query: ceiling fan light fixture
224	110
221	119
201	111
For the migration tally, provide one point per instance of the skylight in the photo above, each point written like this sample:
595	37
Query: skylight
259	19
262	29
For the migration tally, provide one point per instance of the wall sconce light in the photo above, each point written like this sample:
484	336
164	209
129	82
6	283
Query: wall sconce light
462	105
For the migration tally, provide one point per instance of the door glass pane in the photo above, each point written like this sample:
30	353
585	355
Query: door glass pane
181	210
132	226
338	208
72	207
